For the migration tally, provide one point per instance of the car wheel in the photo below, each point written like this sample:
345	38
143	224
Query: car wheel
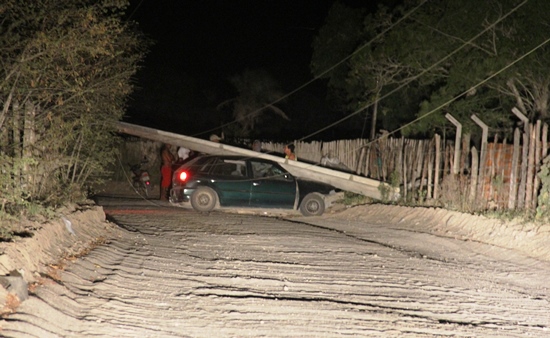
204	199
313	205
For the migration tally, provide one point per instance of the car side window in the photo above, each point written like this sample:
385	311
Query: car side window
216	168
267	170
278	172
260	169
202	165
229	168
238	168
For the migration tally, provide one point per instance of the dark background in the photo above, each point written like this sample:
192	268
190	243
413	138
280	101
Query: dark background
199	45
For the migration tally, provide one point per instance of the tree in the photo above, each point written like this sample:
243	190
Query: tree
527	84
337	39
436	52
366	68
256	93
66	72
511	29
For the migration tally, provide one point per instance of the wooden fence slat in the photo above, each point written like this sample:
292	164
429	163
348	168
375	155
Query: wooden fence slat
430	161
437	165
523	172
474	175
417	169
530	168
499	195
512	197
492	168
424	165
544	141
447	158
405	171
537	160
464	154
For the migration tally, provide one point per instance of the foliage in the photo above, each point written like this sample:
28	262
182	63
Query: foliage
337	39
66	72
14	201
427	57
388	190
351	199
256	92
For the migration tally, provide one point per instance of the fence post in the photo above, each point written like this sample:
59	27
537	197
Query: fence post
360	163
473	180
458	137
523	119
529	188
544	140
483	156
492	153
514	172
524	158
437	165
538	160
431	157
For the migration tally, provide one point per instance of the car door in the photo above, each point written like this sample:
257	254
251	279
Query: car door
229	179
272	186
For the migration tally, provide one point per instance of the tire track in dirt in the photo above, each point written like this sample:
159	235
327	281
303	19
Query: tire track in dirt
179	274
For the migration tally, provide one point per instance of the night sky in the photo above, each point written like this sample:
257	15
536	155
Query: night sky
200	44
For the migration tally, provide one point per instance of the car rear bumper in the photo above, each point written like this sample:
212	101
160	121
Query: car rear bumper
180	194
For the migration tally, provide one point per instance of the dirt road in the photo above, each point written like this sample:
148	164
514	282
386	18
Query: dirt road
177	273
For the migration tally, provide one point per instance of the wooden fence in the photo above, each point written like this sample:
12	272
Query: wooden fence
498	175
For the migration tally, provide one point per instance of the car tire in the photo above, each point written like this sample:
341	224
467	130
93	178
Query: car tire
204	199
313	205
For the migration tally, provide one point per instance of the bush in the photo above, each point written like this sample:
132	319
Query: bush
67	70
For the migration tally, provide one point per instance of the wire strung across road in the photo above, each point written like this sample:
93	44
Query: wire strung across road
408	14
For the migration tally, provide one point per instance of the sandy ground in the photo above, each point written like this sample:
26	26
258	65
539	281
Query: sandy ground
59	240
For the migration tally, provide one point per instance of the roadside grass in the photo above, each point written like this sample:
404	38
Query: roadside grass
353	199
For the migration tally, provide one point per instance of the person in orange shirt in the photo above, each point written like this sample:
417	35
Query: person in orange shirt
166	171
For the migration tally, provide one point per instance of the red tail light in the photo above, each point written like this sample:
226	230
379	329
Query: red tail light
182	176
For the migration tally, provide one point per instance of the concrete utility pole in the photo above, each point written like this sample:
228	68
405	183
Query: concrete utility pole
458	138
483	156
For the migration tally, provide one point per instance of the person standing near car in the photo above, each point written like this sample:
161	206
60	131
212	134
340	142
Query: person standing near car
257	146
289	152
183	154
216	138
166	170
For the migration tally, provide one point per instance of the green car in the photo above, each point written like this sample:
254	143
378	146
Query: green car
212	181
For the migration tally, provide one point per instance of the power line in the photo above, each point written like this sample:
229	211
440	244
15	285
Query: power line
419	75
135	10
480	83
475	86
466	43
322	73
